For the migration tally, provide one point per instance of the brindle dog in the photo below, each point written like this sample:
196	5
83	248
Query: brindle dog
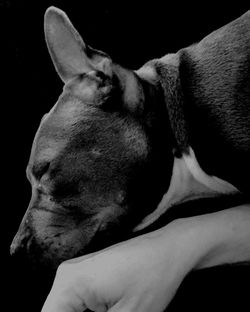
121	147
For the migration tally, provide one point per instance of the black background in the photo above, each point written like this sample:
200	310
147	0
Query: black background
131	34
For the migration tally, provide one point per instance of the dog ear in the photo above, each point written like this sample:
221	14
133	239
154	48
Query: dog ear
70	55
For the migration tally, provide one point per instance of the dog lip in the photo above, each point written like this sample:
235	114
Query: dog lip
49	210
65	211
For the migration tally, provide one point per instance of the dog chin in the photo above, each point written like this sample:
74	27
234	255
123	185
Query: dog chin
47	251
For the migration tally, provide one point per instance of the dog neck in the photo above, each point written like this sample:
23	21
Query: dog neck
189	182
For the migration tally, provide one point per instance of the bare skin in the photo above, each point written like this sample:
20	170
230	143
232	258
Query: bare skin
143	274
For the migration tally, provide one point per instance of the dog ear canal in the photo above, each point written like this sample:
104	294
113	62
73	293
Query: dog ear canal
70	55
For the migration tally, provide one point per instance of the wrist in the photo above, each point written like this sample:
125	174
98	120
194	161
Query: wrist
187	242
195	240
212	239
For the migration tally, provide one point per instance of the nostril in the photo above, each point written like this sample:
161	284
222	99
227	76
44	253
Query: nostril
14	248
19	243
17	250
20	256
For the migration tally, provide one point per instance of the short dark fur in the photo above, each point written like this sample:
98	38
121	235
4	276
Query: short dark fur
102	158
207	92
215	76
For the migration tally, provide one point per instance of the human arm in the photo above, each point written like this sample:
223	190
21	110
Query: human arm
143	274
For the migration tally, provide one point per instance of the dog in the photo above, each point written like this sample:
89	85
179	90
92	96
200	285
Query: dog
122	148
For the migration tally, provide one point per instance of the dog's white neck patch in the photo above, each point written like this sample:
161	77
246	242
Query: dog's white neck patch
188	182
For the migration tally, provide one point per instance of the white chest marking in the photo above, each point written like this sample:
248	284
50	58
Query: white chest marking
188	182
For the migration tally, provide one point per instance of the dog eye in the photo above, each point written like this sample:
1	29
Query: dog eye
39	169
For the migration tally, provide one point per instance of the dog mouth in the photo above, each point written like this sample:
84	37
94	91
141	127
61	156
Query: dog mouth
61	239
48	237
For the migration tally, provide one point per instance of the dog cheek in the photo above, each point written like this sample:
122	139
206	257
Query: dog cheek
58	238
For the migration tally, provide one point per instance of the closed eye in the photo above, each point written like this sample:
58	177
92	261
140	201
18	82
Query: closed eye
39	169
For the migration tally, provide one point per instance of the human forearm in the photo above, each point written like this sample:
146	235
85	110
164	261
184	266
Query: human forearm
143	274
217	238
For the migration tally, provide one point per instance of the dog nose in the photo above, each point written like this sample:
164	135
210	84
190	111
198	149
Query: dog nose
16	247
21	255
17	250
19	242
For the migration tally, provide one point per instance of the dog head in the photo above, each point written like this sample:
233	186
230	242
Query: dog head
98	164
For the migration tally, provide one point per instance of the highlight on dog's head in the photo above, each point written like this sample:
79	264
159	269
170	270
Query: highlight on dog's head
96	164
